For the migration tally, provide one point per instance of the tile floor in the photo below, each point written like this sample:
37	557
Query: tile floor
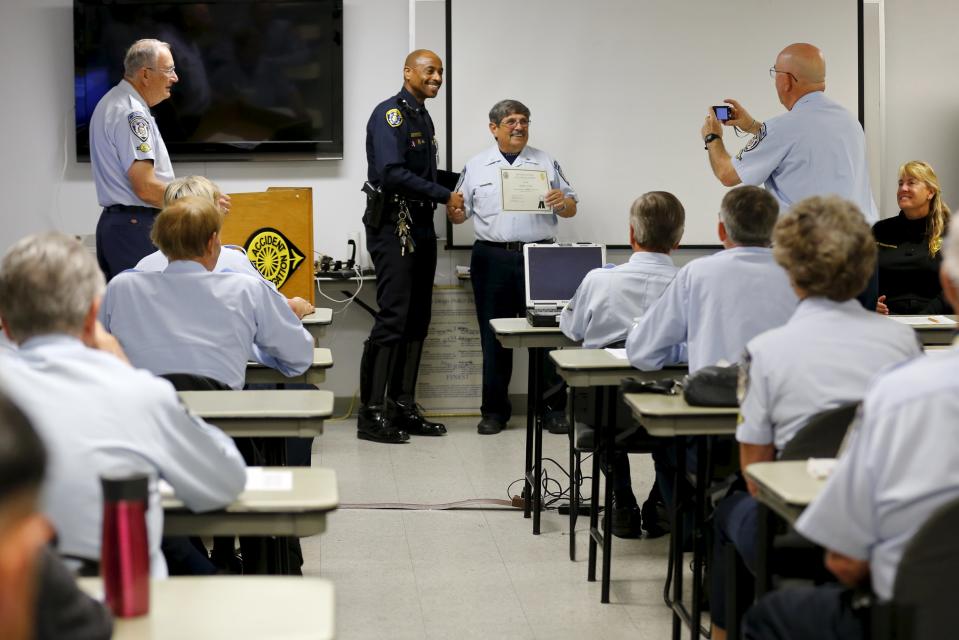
470	573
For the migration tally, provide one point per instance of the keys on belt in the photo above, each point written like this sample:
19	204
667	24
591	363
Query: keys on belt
403	229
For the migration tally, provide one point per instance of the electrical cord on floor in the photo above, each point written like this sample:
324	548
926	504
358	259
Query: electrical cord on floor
472	503
550	498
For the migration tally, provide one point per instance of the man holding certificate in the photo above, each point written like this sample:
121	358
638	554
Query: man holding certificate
515	195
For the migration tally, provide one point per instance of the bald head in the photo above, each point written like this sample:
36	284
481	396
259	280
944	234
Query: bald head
423	74
415	57
804	61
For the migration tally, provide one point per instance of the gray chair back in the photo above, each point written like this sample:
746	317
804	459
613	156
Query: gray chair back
822	435
924	594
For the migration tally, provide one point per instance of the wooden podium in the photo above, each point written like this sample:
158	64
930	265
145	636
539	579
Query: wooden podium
275	228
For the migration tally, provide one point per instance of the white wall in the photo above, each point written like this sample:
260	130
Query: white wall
921	110
36	121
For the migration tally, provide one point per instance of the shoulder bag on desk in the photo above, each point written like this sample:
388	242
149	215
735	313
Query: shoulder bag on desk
712	387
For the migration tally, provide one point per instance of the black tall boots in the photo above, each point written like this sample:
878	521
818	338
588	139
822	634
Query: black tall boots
372	422
404	413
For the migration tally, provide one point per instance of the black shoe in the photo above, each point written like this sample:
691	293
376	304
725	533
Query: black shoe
408	417
489	426
372	425
627	522
555	422
655	519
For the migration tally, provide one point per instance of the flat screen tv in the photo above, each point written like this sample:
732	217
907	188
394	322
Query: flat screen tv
257	80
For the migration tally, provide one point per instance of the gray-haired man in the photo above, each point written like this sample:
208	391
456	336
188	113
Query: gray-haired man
496	267
131	166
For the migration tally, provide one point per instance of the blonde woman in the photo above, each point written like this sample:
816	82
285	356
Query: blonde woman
909	244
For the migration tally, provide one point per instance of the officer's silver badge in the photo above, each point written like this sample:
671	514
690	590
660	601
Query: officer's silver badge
394	118
139	125
756	139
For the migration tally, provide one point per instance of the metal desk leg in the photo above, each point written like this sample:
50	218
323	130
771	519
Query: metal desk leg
573	478
703	474
530	418
676	537
594	535
609	398
538	355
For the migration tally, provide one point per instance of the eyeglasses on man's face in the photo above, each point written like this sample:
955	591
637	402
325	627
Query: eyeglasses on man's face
773	71
512	123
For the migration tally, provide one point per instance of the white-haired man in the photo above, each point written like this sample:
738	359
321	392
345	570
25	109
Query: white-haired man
131	166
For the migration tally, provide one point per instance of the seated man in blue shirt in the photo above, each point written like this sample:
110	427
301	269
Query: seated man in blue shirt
716	304
823	358
95	414
607	303
898	467
188	319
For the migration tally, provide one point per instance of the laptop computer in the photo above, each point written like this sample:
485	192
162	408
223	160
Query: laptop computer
553	273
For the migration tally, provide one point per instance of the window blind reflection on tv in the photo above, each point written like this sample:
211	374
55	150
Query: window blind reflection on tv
257	80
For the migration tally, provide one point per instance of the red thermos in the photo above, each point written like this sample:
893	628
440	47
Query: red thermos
124	553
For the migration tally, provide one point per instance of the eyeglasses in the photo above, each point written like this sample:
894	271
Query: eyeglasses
512	123
168	72
773	71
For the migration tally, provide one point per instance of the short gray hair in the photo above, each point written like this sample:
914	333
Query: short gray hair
749	215
950	251
657	219
505	108
142	53
48	282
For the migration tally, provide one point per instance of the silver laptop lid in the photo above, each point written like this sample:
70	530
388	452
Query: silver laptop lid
554	271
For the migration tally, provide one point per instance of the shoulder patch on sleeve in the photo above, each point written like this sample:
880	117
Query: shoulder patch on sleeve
743	383
394	118
756	139
139	125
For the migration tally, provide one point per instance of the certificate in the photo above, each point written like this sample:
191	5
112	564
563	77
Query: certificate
524	190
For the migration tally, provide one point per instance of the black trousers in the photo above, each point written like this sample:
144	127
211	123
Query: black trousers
499	292
806	613
404	283
123	237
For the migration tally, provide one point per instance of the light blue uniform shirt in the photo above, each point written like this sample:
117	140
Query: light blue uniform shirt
902	463
232	258
815	149
608	301
716	305
824	357
482	195
189	320
122	130
97	416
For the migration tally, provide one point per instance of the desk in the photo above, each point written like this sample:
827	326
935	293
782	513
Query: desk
671	417
257	373
601	369
285	413
515	333
932	333
230	607
785	487
317	322
299	512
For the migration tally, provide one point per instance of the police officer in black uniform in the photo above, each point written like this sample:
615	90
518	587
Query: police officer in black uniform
402	194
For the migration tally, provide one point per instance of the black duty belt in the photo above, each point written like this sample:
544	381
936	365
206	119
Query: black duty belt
513	246
129	208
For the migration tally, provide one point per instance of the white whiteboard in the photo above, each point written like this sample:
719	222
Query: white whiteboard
618	90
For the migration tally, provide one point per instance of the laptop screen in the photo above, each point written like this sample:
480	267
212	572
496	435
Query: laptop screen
553	272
